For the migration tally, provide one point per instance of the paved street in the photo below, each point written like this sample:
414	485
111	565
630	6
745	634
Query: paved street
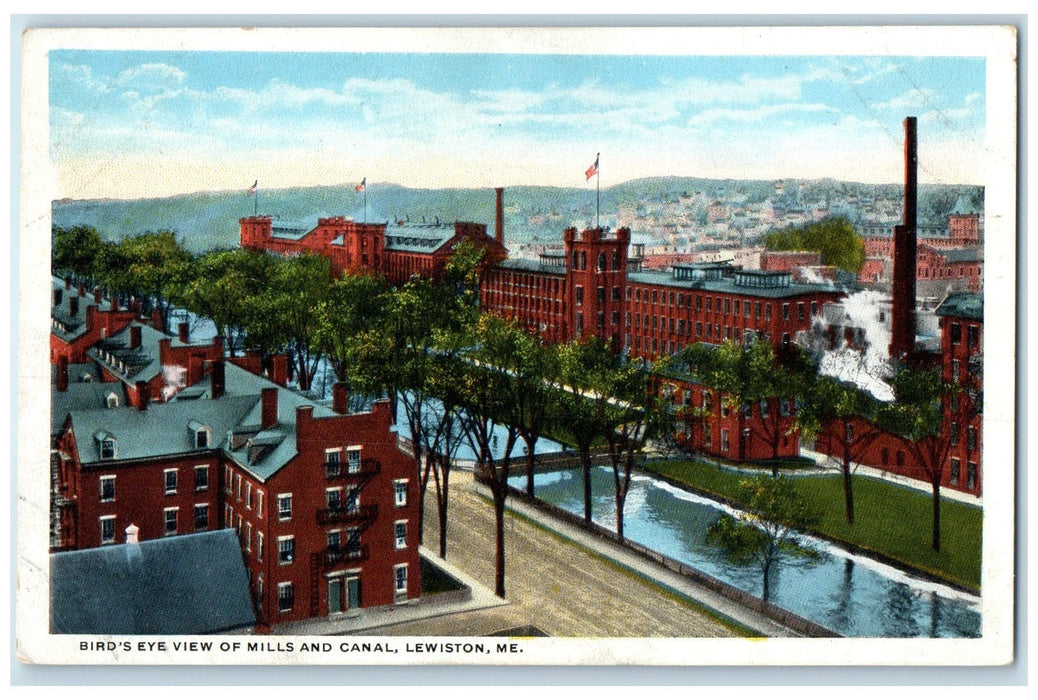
552	583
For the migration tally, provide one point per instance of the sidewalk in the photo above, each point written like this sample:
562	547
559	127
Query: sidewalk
831	464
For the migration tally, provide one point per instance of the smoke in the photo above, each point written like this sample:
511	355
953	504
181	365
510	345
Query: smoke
853	338
174	378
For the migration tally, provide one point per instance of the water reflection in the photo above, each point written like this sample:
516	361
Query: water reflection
850	595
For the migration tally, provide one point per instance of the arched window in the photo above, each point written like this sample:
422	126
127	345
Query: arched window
601	262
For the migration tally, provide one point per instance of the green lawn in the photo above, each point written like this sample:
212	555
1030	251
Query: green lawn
889	520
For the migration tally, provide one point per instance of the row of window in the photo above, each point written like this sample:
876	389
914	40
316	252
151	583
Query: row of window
170	481
343	591
972	334
170	522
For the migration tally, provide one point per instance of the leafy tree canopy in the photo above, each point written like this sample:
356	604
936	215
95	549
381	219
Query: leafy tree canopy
834	238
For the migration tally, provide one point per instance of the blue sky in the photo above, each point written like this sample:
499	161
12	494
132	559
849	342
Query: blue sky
133	123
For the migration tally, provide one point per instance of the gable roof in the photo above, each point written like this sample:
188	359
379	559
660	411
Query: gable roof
190	584
962	305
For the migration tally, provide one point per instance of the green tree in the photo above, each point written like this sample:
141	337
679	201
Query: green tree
355	305
75	251
285	317
846	414
834	238
152	266
921	415
216	285
753	376
766	534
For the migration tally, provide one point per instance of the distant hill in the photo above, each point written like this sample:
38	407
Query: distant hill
208	220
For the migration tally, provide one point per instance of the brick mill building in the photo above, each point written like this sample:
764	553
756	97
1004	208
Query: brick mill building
172	439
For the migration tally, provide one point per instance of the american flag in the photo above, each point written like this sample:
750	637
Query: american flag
252	190
590	172
362	186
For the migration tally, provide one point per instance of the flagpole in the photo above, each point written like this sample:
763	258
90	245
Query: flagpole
255	202
365	199
598	196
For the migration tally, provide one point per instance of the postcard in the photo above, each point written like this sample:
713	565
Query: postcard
486	346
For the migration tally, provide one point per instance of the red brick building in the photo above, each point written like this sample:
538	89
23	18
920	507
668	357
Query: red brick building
323	501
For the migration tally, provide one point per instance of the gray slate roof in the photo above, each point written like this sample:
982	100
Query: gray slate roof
191	584
962	305
726	286
532	266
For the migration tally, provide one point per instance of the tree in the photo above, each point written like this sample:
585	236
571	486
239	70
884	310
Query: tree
921	414
584	400
766	534
152	265
285	316
216	285
355	304
499	349
75	251
834	238
753	375
844	413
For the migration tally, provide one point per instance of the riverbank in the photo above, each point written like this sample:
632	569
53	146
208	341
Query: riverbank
892	524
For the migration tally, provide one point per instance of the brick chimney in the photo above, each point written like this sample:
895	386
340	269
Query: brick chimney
182	333
194	369
269	411
279	371
73	305
57	297
97	295
143	395
902	331
61	382
156	320
341	397
499	219
217	379
135	337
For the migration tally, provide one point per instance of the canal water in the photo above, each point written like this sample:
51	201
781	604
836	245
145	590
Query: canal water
850	594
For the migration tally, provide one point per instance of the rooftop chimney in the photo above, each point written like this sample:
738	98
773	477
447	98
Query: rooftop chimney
73	305
217	379
132	534
143	395
341	397
902	331
135	337
279	373
61	383
499	220
269	411
182	332
97	295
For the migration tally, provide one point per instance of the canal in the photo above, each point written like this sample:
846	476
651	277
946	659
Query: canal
850	594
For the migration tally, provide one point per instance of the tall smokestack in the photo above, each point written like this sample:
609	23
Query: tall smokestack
902	332
499	220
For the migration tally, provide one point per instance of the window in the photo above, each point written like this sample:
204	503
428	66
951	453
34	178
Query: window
784	407
107	523
400	534
353	500
201	517
814	308
169	521
333	540
767	312
849	435
201	438
400	492
956	334
955	371
579	295
227	478
202	477
400	579
286	549
107	489
764	408
237	486
353	460
259	546
724	439
248	496
333	498
616	294
736	305
286	597
727	306
953	433
971	437
284	506
746	410
352	542
884	456
171	480
953	478
108	448
706	434
259	503
973	336
785	312
971	475
113	400
331	462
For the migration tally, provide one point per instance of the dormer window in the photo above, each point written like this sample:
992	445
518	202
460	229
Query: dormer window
107	445
200	434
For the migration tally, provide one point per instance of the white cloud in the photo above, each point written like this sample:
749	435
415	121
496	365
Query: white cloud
916	98
151	74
